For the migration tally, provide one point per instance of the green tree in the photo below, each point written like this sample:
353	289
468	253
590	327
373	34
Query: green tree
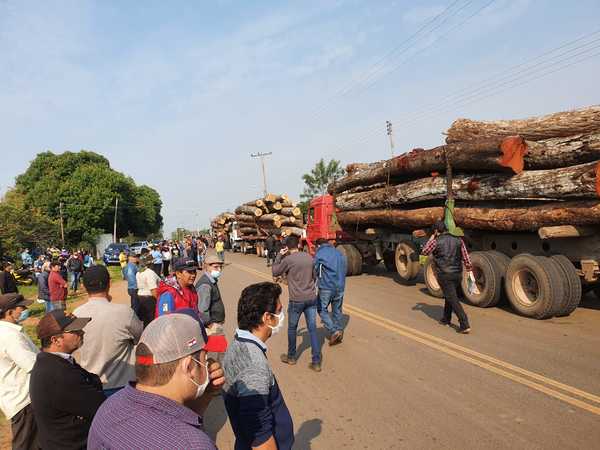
317	180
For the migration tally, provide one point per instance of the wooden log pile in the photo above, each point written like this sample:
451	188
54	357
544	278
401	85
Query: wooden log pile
508	175
276	214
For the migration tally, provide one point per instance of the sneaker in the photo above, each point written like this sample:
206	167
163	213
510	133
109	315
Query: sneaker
444	322
286	359
464	330
336	338
315	366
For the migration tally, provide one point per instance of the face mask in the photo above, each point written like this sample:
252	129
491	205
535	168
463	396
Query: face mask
23	316
279	325
200	388
215	274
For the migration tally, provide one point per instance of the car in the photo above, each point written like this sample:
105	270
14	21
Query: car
111	254
136	247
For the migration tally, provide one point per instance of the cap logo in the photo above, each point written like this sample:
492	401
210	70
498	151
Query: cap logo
192	342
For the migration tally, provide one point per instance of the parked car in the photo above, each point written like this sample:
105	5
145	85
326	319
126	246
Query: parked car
136	247
111	254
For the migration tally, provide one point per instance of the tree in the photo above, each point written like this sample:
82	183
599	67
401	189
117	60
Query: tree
318	179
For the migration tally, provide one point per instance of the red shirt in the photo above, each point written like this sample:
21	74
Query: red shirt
56	285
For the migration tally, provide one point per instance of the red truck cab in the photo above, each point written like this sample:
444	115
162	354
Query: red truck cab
321	222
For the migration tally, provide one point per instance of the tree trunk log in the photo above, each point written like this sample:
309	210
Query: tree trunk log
289	221
289	212
570	182
586	120
296	231
251	210
566	151
525	218
245	217
248	230
269	218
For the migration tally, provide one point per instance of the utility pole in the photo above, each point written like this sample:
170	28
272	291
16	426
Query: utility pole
262	162
115	227
390	133
62	227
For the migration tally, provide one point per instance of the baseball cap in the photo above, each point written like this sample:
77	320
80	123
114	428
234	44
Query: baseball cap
213	260
185	264
58	321
171	337
12	300
96	279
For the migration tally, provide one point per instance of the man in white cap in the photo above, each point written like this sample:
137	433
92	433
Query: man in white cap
175	384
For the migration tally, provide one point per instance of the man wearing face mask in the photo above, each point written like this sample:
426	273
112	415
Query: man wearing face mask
17	357
175	384
177	291
257	411
210	305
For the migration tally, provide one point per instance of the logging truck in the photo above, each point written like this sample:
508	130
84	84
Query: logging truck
541	273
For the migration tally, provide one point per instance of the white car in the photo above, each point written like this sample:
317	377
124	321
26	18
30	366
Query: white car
136	247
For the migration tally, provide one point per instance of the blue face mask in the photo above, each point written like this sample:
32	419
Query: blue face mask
23	316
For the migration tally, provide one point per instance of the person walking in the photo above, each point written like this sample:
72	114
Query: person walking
270	247
330	269
157	261
220	249
175	385
257	411
8	283
147	282
57	286
297	266
131	270
64	396
449	255
17	358
43	288
111	336
75	267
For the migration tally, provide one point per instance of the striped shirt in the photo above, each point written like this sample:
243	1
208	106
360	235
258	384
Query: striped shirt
431	245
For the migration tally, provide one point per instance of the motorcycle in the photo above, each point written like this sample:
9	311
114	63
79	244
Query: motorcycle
24	276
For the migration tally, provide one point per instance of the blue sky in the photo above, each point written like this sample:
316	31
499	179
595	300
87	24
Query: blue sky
178	94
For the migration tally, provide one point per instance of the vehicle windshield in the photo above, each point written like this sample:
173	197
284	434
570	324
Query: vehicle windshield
117	247
138	244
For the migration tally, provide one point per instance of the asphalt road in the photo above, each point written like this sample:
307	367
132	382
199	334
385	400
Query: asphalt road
400	380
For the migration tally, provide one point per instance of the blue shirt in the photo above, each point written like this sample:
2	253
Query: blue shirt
131	271
156	257
330	268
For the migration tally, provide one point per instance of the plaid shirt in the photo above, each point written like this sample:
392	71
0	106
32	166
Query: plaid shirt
432	244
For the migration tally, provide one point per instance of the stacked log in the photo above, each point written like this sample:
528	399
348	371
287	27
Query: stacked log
508	175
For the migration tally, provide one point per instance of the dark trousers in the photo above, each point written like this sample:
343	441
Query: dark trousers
165	268
147	309
270	257
157	269
295	310
449	284
24	430
135	301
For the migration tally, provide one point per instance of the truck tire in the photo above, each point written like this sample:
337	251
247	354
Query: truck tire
406	267
501	259
529	286
389	261
343	249
572	283
356	258
560	288
431	281
488	276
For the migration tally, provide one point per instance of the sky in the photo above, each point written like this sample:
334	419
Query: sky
178	94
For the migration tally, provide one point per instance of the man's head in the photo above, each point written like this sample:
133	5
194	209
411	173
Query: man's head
55	266
321	241
170	357
259	307
133	258
213	265
292	242
13	307
46	266
185	271
96	281
61	332
439	226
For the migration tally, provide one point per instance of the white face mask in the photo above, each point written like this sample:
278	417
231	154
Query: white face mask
200	388
276	329
215	274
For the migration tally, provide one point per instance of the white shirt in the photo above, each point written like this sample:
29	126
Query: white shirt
17	357
146	281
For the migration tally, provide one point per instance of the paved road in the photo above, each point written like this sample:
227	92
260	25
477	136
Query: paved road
400	380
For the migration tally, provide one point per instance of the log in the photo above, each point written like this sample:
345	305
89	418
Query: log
565	231
524	218
247	230
260	203
289	211
247	209
268	218
296	231
271	198
289	221
581	181
277	206
562	151
245	217
567	123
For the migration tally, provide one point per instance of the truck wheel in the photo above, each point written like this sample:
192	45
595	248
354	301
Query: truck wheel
560	288
431	281
529	286
406	267
356	258
389	261
488	277
572	283
349	266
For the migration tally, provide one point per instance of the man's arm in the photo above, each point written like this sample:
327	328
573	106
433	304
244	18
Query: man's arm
430	246
203	291
135	327
22	353
77	396
280	265
466	259
166	304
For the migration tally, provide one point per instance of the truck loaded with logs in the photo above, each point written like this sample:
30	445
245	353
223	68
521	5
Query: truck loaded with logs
246	229
525	193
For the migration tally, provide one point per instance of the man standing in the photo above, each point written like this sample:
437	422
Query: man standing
147	282
8	284
131	270
123	261
111	336
255	406
270	246
175	385
156	260
298	268
330	268
17	357
167	256
177	292
64	396
43	289
75	267
210	305
26	258
220	249
449	255
57	286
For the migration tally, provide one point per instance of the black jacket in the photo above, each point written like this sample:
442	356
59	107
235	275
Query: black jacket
65	398
43	289
447	254
8	283
216	308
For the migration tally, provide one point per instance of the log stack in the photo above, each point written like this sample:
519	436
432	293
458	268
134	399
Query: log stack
508	175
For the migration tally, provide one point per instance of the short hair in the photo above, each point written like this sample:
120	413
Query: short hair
155	374
439	226
96	279
145	251
45	342
322	241
54	263
256	300
292	242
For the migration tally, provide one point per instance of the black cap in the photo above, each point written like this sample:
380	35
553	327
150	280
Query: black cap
12	300
96	279
185	264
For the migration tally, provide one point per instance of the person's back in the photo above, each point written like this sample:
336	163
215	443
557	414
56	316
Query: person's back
299	269
447	254
330	266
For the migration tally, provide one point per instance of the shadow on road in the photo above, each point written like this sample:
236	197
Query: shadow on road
322	336
215	417
432	311
306	433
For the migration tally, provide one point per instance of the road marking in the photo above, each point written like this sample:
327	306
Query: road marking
504	369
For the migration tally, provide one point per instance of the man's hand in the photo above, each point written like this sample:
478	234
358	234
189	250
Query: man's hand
216	377
283	251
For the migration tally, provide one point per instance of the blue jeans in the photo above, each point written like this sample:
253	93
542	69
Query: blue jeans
332	323
295	310
48	304
75	280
